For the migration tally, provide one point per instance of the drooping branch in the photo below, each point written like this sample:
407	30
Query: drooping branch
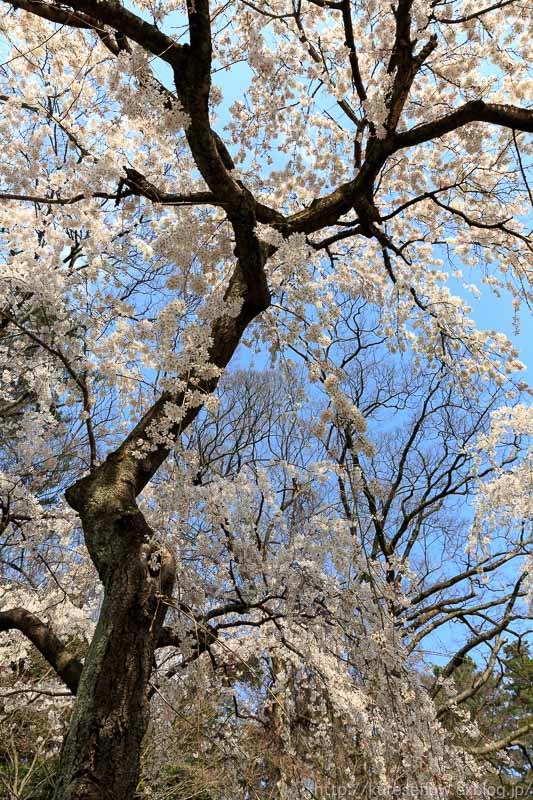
140	187
58	201
67	666
47	113
477	223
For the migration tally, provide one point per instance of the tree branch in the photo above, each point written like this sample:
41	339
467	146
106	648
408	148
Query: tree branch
67	666
482	637
474	111
92	14
505	741
477	684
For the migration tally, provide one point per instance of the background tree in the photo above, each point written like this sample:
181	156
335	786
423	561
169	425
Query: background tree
499	699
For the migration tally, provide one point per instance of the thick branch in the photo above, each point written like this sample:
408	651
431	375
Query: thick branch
505	741
67	666
520	119
403	62
350	43
54	13
95	13
125	469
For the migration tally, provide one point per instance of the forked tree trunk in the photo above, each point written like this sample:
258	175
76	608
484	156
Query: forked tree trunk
101	751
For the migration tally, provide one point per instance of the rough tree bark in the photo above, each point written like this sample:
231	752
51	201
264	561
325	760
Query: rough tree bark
100	756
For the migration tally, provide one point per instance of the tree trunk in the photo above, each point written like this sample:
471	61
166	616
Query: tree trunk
101	751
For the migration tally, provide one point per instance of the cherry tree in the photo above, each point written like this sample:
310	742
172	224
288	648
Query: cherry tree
149	226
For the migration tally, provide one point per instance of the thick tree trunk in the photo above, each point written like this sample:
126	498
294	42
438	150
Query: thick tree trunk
100	756
101	752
